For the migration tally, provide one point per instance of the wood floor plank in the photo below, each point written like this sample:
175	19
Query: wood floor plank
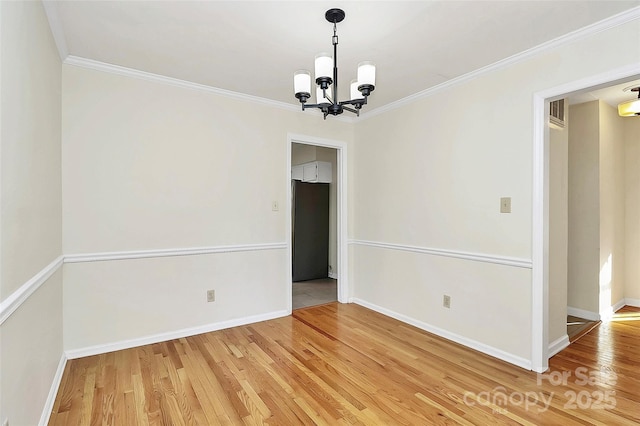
345	364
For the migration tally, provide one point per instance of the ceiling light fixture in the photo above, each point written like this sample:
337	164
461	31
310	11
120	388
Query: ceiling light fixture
630	108
327	79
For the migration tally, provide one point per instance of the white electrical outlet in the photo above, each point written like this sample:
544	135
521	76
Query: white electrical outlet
211	295
446	301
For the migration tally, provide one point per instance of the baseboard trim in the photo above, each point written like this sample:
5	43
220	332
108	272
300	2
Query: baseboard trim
558	345
632	302
187	251
177	334
53	392
609	314
476	257
581	313
18	297
473	344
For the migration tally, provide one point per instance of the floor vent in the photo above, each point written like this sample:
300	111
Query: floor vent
556	113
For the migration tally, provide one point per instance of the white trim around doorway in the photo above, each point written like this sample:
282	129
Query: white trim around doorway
341	272
540	224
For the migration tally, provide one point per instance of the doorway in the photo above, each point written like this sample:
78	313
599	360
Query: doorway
541	215
316	275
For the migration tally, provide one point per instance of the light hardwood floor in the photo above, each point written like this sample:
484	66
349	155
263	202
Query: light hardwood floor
344	364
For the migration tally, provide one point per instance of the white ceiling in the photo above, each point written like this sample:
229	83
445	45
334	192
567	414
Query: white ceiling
253	47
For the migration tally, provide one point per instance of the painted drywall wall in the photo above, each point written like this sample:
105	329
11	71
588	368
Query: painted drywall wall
631	129
612	207
138	298
584	207
558	226
30	217
31	351
301	153
151	166
330	155
597	196
425	180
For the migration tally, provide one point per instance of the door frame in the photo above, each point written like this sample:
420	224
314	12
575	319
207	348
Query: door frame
540	203
341	212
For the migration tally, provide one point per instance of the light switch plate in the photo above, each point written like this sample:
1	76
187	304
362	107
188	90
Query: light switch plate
505	205
274	206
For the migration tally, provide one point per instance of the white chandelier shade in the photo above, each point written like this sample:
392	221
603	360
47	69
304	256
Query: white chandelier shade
323	65
302	81
367	73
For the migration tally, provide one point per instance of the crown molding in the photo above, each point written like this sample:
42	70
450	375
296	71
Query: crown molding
603	25
581	33
143	75
51	10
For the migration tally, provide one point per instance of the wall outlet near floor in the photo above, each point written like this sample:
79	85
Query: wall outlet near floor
211	295
446	301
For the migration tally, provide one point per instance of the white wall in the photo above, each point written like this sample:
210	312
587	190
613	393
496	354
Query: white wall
597	238
331	155
30	217
584	207
558	227
430	176
612	207
631	134
151	166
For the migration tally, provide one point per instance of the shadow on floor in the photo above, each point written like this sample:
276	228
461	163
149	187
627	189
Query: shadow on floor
314	292
578	327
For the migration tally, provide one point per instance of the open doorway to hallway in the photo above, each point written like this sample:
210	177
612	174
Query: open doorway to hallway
594	236
314	252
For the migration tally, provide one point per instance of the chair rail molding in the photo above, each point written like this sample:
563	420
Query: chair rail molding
18	297
476	257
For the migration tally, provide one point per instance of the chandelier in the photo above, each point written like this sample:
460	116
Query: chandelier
630	108
326	72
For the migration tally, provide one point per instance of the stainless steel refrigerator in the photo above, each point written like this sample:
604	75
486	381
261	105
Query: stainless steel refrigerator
310	230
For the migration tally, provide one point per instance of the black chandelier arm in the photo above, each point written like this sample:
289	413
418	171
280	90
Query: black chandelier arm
325	108
357	102
329	98
355	111
319	106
